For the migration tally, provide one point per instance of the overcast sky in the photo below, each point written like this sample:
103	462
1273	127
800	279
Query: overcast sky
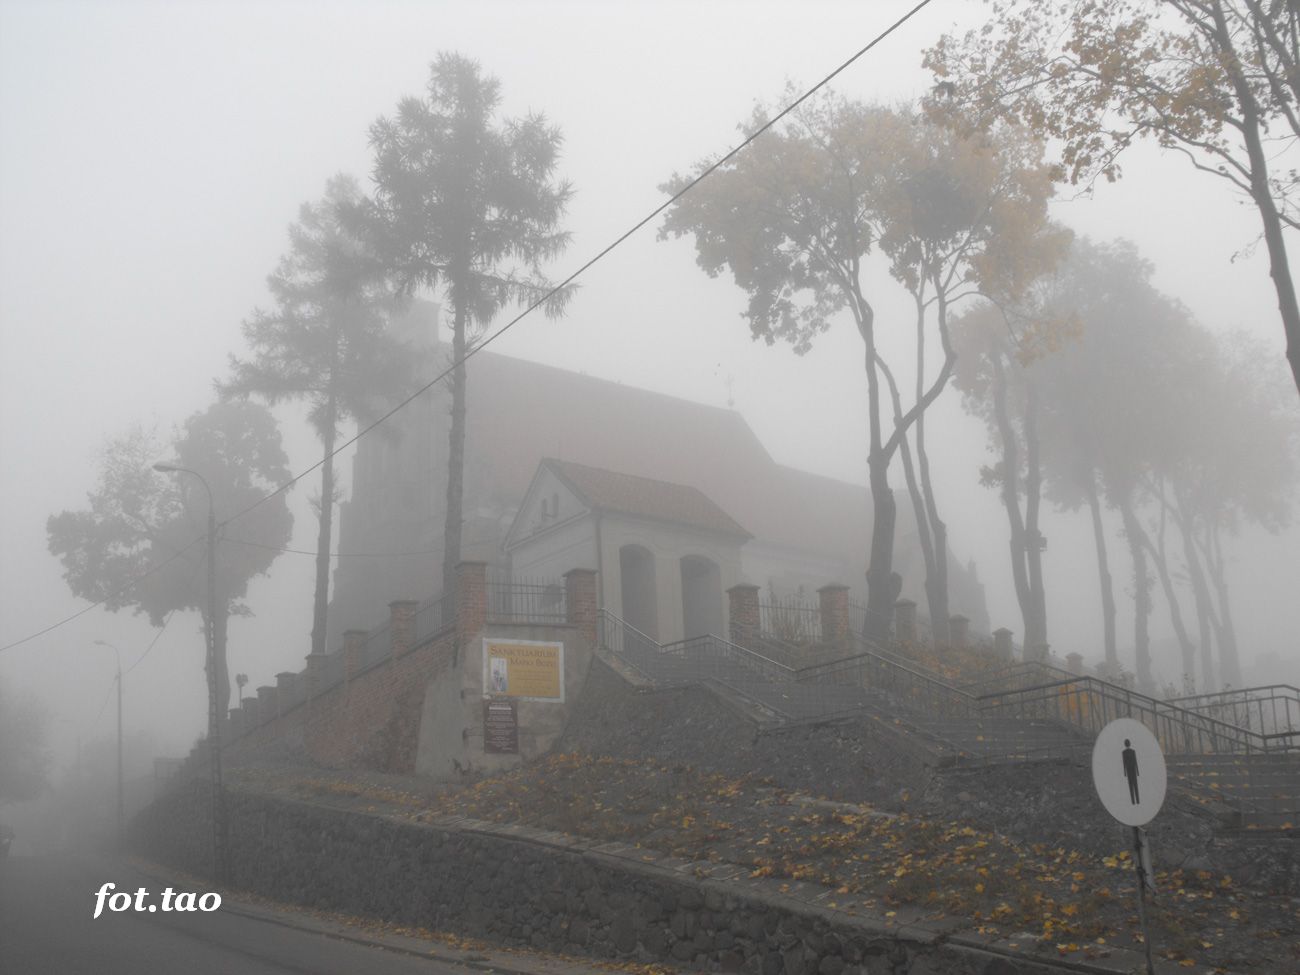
152	156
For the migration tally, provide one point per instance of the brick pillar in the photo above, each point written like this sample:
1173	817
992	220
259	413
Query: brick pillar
401	626
266	703
580	602
833	601
1002	648
905	622
743	606
286	684
354	645
1074	663
471	599
958	631
251	716
315	674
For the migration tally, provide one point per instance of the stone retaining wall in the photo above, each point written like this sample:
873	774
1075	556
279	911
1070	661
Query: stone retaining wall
514	885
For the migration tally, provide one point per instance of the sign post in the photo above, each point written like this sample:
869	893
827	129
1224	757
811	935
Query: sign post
1128	770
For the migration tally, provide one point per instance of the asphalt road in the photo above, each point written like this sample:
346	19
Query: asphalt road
46	926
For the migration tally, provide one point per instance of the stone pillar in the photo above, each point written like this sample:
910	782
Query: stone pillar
743	606
833	601
251	716
580	604
315	674
401	626
266	703
958	631
354	645
286	684
471	599
905	622
1002	648
1074	663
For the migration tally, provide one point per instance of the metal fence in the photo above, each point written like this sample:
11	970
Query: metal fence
513	599
795	619
1273	710
433	616
1088	703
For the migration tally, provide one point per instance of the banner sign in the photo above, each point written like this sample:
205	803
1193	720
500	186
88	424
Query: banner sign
501	727
525	669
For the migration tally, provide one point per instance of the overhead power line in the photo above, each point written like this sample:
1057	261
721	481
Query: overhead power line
704	174
479	346
100	602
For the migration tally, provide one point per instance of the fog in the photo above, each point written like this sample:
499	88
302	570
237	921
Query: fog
152	156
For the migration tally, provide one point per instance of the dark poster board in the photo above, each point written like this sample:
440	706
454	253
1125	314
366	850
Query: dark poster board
501	727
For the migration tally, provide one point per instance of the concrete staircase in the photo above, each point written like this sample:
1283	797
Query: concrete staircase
1039	716
1264	789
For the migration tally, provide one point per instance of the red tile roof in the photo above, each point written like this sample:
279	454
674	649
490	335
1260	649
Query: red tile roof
521	411
645	497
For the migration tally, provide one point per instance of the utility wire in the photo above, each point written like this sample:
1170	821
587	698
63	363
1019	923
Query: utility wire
708	171
349	555
99	602
478	346
138	660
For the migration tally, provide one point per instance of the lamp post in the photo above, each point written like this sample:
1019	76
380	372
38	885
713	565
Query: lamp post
121	805
214	726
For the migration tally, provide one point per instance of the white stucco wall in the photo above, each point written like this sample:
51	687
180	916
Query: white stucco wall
668	544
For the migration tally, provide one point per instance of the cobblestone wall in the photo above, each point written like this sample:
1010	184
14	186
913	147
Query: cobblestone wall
514	885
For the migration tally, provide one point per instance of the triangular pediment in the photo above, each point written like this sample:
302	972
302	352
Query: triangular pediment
548	502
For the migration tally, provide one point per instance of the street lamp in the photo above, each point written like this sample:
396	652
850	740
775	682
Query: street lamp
121	806
214	726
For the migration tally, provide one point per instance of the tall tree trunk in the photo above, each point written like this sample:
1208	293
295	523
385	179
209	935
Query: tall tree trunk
1011	497
918	504
1201	592
1037	639
1104	577
881	589
936	566
321	598
220	630
451	535
1141	596
1229	662
1159	556
1261	192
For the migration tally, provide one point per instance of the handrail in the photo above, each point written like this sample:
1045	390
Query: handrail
604	616
1078	701
729	649
1246	692
1178	723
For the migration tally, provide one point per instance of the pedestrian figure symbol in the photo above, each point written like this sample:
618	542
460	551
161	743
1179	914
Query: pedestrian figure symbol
1126	745
1131	771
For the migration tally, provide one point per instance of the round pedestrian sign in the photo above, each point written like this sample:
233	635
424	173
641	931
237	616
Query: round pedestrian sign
1128	770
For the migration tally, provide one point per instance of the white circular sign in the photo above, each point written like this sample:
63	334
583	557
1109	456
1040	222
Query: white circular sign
1128	770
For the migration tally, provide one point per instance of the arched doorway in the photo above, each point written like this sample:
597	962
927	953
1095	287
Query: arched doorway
701	597
636	569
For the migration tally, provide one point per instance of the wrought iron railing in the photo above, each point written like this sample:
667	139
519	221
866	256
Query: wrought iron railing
513	599
1273	710
1089	703
433	616
791	619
